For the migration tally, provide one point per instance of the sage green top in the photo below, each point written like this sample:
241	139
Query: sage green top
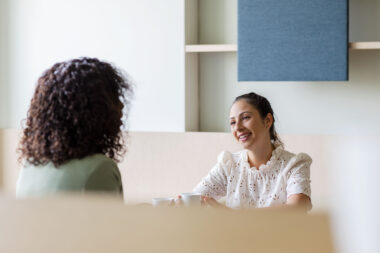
92	173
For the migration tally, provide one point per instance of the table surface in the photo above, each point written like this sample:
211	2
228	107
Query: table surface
92	224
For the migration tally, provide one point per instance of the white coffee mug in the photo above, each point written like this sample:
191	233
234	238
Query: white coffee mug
191	199
162	202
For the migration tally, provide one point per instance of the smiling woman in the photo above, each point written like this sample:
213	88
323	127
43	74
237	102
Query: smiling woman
263	174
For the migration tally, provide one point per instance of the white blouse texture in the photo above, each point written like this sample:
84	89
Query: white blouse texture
245	187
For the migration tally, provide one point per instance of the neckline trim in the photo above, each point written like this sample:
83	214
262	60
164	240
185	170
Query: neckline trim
269	164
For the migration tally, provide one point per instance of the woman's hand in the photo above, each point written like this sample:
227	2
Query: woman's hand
178	201
208	201
205	201
300	201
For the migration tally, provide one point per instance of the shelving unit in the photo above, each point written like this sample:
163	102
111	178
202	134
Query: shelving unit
194	48
210	64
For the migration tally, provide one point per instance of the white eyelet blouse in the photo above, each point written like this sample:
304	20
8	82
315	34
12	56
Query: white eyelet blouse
244	187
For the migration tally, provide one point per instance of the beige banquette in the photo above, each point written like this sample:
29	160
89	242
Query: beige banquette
166	164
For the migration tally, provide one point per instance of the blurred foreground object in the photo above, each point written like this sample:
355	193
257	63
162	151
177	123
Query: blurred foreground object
105	225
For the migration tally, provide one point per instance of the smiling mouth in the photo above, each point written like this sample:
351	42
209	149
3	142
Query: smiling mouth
244	137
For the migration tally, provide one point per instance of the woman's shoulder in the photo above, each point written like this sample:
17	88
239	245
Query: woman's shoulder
98	159
100	162
91	161
292	159
230	157
105	174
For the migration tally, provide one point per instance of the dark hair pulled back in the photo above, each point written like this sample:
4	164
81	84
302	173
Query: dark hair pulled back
261	104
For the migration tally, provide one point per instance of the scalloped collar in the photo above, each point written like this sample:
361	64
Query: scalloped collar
276	153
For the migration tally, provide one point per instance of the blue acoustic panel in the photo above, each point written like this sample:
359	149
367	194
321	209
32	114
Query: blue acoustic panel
293	40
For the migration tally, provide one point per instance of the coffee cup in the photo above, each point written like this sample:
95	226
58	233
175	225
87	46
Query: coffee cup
162	202
191	199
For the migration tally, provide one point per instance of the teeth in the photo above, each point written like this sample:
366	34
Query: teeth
243	136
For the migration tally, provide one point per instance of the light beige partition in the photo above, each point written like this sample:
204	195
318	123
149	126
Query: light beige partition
9	166
103	225
166	164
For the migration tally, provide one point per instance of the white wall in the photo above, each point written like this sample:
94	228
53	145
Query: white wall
4	57
301	107
145	38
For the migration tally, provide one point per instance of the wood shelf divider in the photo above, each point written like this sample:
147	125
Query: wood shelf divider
211	48
208	48
372	45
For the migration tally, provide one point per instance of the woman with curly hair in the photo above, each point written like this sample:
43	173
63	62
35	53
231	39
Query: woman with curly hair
73	136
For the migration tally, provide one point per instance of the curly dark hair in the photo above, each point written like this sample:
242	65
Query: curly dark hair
76	111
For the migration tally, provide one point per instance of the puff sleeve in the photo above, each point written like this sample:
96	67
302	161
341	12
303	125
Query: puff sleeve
298	176
215	183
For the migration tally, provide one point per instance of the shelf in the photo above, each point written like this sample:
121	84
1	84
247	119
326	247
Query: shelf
375	45
211	48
